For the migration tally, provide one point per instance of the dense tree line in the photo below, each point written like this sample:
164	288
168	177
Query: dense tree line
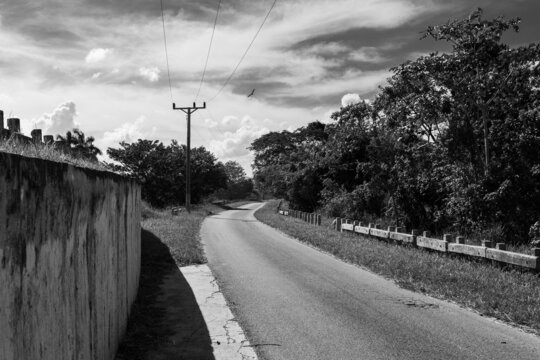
160	170
238	185
452	142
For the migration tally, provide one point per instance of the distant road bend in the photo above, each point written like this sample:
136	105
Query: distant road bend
295	303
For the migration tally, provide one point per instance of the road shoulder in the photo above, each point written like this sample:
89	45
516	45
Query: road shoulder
227	337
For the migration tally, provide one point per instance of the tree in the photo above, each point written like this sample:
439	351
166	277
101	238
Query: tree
239	186
271	162
284	165
85	146
450	143
160	170
68	139
79	145
235	172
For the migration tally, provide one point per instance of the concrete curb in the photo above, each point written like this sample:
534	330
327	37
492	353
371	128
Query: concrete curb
228	339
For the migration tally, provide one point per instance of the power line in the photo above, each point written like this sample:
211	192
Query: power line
245	53
209	49
166	50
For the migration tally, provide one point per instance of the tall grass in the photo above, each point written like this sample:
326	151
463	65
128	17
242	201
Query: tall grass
51	153
179	233
511	296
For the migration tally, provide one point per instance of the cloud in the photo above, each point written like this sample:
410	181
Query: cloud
350	99
61	120
329	91
235	141
306	18
97	55
151	74
326	49
367	54
128	132
227	124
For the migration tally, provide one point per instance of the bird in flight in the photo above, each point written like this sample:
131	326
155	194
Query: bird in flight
252	93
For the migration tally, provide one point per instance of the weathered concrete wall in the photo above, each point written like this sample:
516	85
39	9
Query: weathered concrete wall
69	259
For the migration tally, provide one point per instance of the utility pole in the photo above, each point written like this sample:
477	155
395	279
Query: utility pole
188	110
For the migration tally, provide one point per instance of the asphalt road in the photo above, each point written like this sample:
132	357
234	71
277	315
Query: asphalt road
295	303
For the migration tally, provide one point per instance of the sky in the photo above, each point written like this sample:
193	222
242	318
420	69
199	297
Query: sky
100	65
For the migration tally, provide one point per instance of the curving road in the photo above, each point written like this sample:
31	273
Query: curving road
295	303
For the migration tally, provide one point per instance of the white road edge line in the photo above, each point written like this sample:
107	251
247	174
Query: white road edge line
228	339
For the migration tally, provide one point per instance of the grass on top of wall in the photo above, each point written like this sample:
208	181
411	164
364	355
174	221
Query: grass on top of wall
509	295
51	153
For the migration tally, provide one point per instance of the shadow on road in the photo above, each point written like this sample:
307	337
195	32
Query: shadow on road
165	322
216	217
227	207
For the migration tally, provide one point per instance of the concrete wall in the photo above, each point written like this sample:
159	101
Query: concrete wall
69	259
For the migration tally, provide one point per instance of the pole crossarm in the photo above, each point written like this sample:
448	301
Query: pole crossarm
188	111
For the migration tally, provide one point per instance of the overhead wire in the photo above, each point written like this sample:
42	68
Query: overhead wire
209	50
245	53
166	50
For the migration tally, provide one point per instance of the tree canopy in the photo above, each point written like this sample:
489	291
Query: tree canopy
79	144
161	172
449	143
239	186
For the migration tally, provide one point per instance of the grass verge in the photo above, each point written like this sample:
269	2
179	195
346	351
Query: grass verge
511	296
167	242
179	233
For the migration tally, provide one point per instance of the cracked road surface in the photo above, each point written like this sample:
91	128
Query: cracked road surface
295	303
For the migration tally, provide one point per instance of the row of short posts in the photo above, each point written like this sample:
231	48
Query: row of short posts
13	131
338	222
312	218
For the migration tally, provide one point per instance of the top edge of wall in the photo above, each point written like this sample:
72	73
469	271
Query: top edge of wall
65	165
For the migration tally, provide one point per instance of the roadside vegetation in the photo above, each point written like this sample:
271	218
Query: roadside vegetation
180	233
160	170
511	296
449	144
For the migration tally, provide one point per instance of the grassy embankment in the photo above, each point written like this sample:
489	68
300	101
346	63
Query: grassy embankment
167	242
509	295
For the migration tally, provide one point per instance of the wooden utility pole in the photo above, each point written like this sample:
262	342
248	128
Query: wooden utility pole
188	110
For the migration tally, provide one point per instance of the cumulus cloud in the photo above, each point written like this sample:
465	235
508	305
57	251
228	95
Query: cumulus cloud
149	73
235	141
59	121
97	55
350	99
128	132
